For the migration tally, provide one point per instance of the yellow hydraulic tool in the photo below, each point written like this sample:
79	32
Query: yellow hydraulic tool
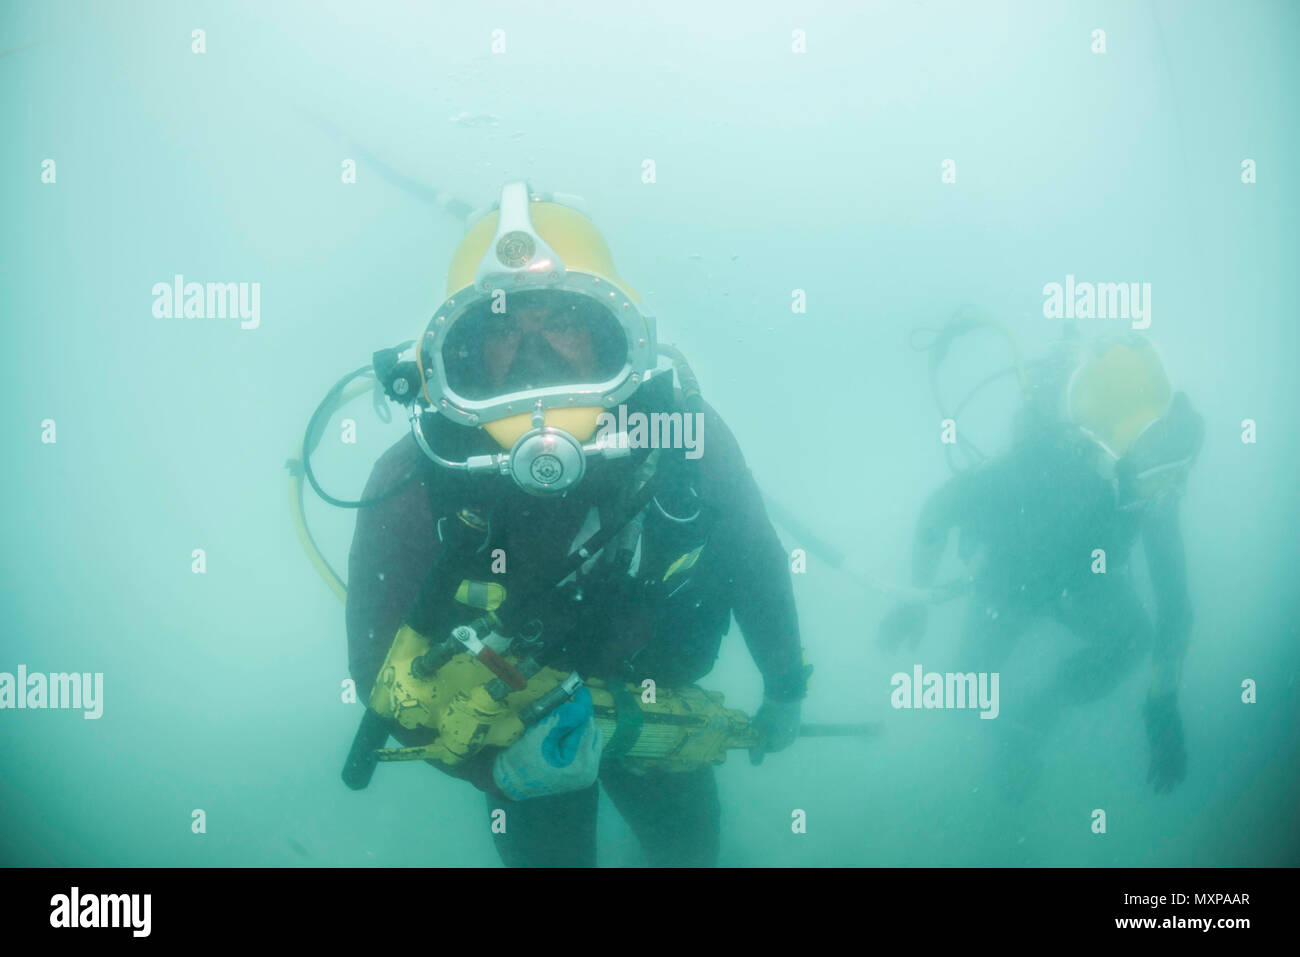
471	701
477	689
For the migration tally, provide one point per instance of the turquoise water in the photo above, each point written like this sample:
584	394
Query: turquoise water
775	171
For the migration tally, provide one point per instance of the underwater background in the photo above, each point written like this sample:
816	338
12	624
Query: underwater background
775	171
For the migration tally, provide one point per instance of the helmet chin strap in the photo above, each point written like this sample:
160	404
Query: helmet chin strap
544	461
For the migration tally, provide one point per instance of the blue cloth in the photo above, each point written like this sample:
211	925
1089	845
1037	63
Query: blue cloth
561	745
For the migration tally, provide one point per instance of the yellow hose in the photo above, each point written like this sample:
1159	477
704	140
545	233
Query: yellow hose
297	513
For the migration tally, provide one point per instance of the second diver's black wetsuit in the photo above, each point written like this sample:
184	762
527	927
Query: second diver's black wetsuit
1032	520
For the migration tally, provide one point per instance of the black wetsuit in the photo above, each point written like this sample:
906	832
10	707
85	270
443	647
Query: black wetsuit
629	629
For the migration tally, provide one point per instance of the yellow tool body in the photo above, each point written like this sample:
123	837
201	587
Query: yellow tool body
470	708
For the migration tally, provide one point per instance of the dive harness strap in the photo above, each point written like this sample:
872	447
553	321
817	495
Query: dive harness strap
628	719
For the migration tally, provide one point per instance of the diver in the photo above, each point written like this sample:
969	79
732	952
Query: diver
504	484
1099	459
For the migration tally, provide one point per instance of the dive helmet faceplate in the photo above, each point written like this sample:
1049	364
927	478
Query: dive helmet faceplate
534	252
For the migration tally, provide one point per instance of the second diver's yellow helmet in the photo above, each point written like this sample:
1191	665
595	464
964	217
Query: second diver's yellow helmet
538	336
1117	392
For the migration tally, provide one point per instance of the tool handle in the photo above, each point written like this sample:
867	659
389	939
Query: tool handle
372	734
865	730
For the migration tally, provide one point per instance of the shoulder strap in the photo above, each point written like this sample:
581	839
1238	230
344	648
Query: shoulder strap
518	610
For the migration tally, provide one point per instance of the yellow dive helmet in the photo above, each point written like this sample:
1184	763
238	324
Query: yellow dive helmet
1147	435
538	336
1117	392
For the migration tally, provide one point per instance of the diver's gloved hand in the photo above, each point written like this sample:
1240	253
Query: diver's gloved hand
906	620
1165	735
556	755
777	723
